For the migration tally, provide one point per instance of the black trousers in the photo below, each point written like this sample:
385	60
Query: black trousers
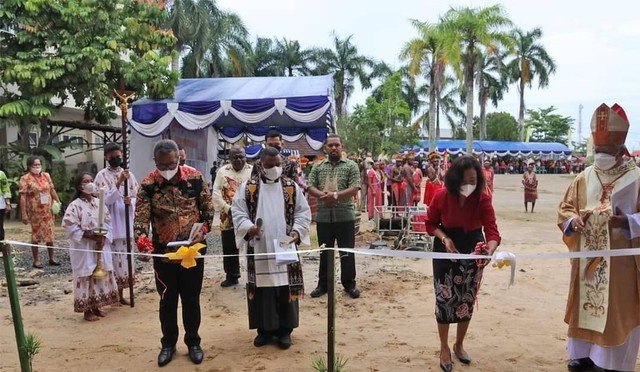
2	224
173	281
231	264
345	234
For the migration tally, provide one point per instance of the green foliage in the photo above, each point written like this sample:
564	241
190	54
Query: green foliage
381	125
32	347
547	126
81	49
501	126
319	364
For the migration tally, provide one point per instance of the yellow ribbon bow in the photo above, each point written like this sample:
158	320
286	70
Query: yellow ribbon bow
187	255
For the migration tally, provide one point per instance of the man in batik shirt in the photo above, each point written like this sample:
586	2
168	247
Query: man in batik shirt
228	180
171	200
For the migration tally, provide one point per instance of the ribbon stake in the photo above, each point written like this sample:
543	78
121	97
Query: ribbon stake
187	255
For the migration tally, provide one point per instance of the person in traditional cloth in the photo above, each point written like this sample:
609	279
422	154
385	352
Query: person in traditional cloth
37	193
335	181
487	172
228	180
388	172
397	183
435	177
457	216
603	302
374	198
273	289
171	199
80	220
273	138
112	178
530	183
408	187
417	182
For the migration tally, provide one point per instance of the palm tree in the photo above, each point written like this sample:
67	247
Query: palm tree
426	55
228	40
468	31
347	65
531	60
492	84
262	59
291	58
447	103
183	25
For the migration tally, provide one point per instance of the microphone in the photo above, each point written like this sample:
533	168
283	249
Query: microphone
259	226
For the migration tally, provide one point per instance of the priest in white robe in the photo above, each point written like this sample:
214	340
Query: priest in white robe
267	210
600	212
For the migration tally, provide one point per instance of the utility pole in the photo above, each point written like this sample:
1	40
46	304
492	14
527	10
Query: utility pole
580	107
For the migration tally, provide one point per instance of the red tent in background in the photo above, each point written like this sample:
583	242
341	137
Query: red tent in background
635	153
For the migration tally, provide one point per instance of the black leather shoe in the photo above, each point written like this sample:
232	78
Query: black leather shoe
318	292
464	359
446	367
580	365
353	292
165	356
229	282
284	342
261	340
196	354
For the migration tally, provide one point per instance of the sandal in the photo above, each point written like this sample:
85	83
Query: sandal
54	263
37	266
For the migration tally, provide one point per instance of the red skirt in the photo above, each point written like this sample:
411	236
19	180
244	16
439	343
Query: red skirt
430	190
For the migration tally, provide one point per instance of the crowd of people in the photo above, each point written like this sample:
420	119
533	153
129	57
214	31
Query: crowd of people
266	208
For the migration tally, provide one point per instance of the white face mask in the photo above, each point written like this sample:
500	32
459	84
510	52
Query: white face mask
36	170
273	174
604	161
168	174
466	190
90	188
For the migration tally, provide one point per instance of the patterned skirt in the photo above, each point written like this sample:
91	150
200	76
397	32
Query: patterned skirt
90	293
456	283
120	264
530	195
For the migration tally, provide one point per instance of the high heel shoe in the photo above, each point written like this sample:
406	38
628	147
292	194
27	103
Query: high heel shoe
447	367
464	359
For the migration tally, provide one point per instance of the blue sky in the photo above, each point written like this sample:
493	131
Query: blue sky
595	45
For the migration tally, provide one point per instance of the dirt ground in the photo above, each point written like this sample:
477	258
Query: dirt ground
390	328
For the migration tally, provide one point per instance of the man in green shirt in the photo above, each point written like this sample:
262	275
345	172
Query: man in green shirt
335	181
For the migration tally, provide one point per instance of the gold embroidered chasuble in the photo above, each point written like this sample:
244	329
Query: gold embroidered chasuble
603	304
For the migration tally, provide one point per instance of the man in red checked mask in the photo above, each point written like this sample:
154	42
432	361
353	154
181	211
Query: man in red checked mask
171	199
599	212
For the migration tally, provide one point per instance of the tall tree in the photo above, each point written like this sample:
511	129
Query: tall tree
530	61
292	58
468	32
547	126
190	22
347	65
229	40
80	49
501	126
426	56
447	104
262	58
492	84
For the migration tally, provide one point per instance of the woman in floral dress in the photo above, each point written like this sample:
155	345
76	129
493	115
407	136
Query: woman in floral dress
457	216
80	220
37	194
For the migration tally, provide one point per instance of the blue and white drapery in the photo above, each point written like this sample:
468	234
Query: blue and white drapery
495	148
253	151
230	108
297	106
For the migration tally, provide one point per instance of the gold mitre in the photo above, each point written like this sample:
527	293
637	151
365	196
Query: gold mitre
609	126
